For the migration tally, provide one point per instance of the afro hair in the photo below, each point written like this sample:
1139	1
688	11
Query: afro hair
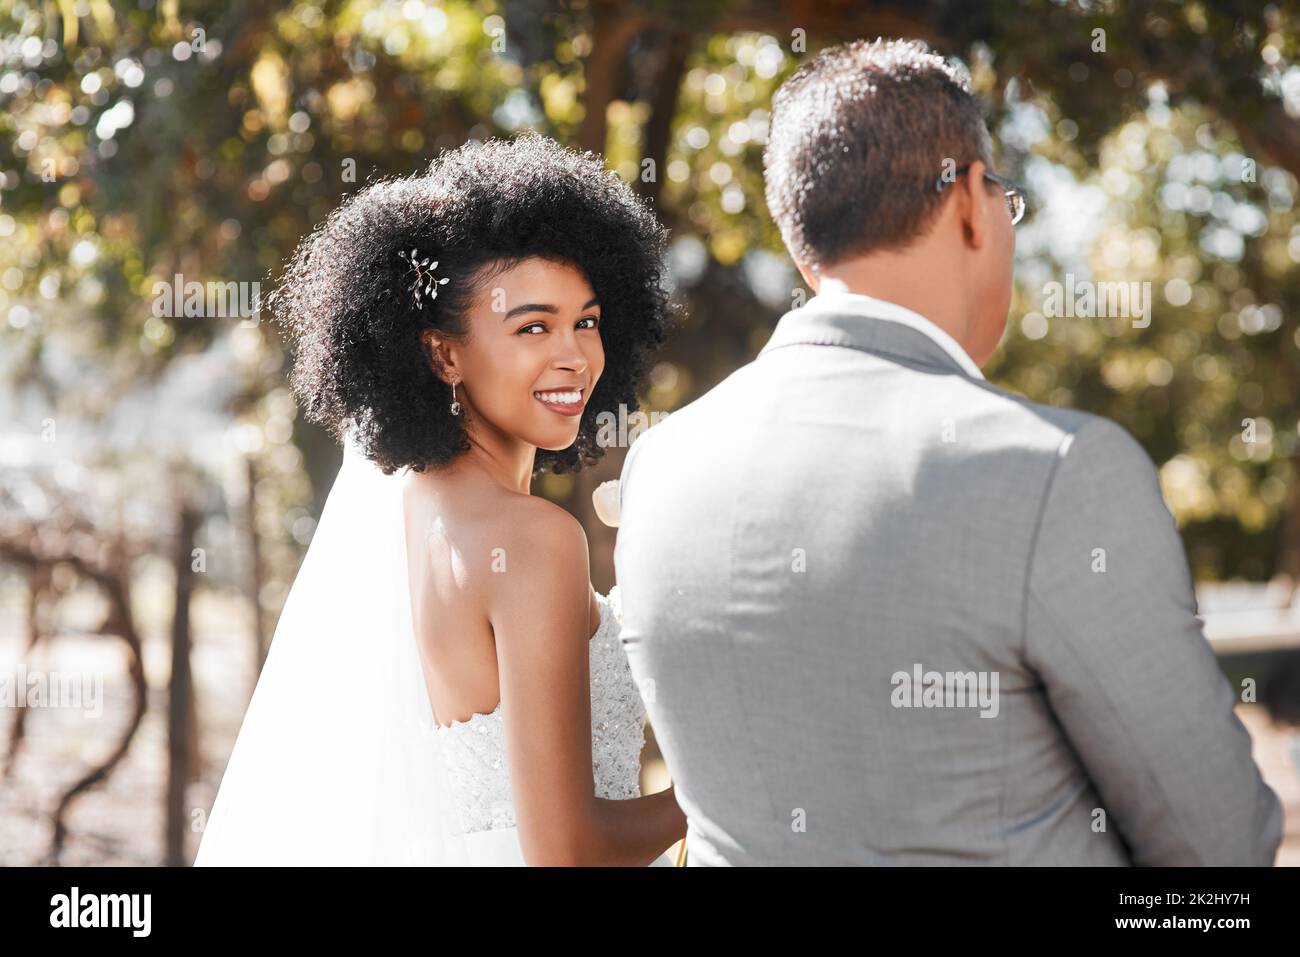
345	297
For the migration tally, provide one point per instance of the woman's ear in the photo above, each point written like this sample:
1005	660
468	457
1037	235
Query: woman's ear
441	356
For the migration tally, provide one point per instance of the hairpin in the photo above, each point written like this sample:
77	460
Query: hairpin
426	284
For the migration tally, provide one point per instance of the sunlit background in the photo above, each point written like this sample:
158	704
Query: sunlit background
158	487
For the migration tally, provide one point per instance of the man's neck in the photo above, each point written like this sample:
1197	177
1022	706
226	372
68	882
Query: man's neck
887	277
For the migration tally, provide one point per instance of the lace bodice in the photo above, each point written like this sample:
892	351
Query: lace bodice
474	752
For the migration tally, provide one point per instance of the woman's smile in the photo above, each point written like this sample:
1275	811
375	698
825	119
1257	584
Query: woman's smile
568	401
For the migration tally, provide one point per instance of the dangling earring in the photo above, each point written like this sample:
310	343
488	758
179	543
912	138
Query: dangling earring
455	406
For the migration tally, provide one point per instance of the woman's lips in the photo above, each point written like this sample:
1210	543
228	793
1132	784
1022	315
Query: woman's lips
562	401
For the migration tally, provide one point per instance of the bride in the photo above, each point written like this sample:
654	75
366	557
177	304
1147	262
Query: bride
445	686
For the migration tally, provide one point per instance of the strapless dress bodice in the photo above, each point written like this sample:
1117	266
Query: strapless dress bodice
474	751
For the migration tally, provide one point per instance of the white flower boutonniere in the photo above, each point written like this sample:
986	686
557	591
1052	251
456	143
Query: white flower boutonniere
605	500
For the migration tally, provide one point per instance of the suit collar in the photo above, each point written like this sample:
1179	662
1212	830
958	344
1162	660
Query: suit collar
873	325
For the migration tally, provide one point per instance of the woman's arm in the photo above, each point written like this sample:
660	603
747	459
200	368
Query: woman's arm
539	609
634	830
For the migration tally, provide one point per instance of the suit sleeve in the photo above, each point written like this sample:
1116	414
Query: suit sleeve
638	446
1111	629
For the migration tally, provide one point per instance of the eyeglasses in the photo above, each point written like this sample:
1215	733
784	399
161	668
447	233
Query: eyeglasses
1015	193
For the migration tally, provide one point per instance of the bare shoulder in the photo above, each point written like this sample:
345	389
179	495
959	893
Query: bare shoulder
477	516
539	537
528	519
541	584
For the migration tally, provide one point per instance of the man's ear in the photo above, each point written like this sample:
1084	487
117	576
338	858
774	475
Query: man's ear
973	205
808	276
441	356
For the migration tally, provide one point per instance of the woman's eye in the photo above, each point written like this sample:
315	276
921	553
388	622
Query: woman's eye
536	328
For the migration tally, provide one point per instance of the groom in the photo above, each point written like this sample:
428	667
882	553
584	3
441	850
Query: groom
884	612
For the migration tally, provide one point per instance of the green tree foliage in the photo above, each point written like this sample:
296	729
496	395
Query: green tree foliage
141	141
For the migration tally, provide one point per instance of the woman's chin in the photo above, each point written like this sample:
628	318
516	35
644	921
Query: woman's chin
557	446
552	441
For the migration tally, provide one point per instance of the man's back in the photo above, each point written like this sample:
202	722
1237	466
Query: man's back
883	612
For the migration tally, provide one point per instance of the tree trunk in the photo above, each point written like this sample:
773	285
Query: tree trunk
180	759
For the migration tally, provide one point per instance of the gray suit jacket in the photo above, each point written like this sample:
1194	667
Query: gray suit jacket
826	559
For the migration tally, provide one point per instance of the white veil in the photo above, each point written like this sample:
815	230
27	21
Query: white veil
337	762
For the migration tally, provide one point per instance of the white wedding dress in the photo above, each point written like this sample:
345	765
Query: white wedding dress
339	761
482	829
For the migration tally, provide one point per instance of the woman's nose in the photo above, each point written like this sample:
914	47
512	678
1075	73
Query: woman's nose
569	354
572	362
